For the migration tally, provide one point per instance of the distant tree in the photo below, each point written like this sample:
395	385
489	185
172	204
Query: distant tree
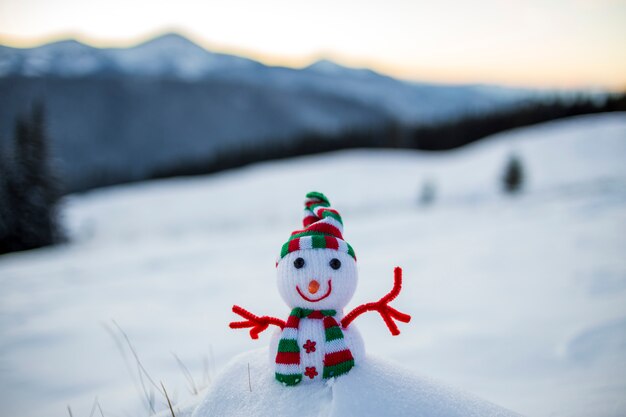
427	193
28	189
6	212
513	175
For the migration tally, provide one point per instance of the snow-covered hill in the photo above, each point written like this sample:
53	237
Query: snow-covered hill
521	301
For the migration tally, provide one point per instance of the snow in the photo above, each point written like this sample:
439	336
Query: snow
69	57
374	388
328	67
518	300
173	55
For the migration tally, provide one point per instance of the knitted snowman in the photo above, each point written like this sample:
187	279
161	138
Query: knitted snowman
317	276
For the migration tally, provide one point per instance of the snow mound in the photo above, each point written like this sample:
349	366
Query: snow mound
375	388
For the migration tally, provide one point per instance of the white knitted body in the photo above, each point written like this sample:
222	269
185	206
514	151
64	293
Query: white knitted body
313	330
336	287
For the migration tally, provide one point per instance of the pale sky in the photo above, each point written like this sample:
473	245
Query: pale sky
541	43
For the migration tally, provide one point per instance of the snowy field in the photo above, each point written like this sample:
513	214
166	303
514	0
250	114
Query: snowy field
520	300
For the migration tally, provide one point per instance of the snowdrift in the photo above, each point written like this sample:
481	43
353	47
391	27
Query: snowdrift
375	388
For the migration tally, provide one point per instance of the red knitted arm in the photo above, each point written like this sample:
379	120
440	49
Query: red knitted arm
387	313
257	324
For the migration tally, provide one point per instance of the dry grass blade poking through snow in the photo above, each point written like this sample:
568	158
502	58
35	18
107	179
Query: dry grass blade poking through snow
249	380
96	404
169	403
142	373
193	388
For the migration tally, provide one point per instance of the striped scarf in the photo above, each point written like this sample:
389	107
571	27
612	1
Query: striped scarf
338	359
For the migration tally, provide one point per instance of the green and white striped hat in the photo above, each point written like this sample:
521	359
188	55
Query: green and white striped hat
323	228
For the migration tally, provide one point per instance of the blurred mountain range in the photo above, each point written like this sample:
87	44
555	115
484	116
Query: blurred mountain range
121	113
169	55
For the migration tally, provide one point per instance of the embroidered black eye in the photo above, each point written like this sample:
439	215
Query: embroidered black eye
335	263
298	263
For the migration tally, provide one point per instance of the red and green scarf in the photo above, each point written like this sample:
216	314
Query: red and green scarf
338	359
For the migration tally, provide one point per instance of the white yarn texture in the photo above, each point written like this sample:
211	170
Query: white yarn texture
340	282
317	267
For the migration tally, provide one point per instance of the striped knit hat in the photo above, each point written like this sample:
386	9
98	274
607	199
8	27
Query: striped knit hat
323	228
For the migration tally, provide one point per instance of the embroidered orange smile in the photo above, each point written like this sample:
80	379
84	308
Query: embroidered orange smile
313	289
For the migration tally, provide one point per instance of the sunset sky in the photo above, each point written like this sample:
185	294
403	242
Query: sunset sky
542	43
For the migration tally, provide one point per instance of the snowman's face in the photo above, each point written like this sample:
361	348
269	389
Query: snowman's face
318	279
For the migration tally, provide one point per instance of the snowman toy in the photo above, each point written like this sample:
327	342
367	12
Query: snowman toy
317	276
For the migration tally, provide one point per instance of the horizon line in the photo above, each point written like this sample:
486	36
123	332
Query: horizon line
445	76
